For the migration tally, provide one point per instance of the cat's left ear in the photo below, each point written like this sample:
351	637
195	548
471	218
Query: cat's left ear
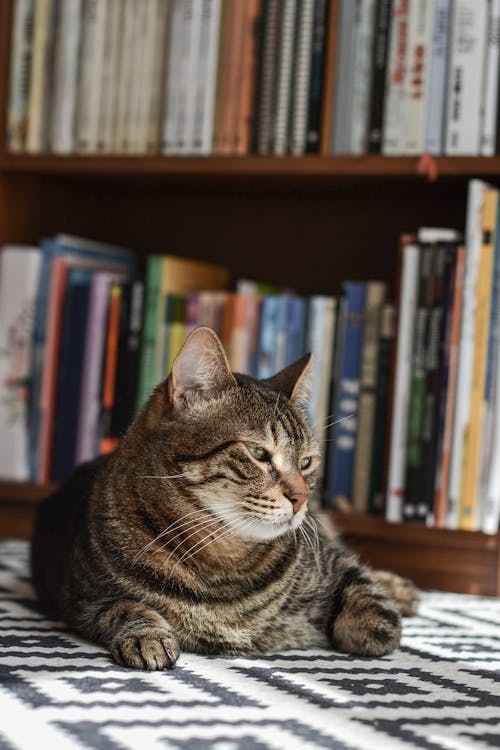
294	381
200	370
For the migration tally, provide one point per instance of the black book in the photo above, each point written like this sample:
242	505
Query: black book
380	51
313	132
70	369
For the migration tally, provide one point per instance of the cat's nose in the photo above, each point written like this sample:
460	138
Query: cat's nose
297	492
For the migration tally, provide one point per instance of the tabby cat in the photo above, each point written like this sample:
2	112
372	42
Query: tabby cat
195	533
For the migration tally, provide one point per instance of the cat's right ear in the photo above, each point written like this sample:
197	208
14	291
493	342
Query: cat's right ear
200	370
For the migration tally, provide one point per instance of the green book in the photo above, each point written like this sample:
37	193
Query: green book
150	329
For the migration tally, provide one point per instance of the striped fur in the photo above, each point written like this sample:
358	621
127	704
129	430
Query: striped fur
182	539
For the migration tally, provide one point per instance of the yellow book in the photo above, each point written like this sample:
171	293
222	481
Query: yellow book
469	492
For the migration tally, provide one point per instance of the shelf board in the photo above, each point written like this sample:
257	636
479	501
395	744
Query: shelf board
23	492
246	166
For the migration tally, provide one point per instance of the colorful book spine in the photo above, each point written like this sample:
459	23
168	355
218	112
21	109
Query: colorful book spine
147	366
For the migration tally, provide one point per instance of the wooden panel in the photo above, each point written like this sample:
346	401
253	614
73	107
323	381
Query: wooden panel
458	561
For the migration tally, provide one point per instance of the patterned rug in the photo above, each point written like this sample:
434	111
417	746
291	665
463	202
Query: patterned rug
440	690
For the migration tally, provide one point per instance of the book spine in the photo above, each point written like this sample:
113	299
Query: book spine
207	77
438	68
317	64
191	31
362	78
396	81
154	112
491	82
468	504
443	473
347	403
385	355
473	232
420	19
380	51
267	88
172	78
147	365
122	93
136	84
65	84
402	375
108	441
301	78
375	298
343	79
284	83
145	80
38	104
248	73
465	80
19	77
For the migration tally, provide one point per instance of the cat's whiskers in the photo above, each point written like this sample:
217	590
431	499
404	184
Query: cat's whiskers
337	421
161	476
175	524
212	538
197	528
313	543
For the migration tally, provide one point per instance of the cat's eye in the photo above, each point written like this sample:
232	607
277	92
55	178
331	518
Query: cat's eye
260	454
305	463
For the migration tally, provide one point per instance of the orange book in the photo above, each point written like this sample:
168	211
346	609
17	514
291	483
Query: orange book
235	31
248	73
108	443
221	96
441	494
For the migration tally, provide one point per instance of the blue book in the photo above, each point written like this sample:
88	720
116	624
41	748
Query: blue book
69	373
83	251
296	329
268	334
345	408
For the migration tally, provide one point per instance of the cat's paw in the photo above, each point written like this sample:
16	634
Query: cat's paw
368	627
402	590
151	648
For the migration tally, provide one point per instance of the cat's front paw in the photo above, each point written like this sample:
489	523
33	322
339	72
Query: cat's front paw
369	627
151	648
402	590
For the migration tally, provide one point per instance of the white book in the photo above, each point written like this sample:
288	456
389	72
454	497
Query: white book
322	316
191	32
491	82
124	74
284	83
89	90
465	79
362	78
420	18
109	87
300	91
154	108
206	77
19	77
473	242
138	85
19	271
39	79
402	383
438	68
344	73
65	81
393	136
172	78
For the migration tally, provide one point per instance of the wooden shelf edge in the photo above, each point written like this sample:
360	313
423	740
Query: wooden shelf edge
22	492
246	166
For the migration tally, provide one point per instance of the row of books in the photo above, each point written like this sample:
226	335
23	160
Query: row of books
417	76
444	466
176	77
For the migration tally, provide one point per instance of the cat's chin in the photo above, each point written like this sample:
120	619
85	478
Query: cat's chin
269	529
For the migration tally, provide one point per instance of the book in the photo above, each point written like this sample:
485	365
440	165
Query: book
489	109
401	382
465	79
383	15
266	100
384	362
376	292
108	97
173	51
296	328
301	77
247	79
145	38
158	74
125	63
90	75
396	82
223	72
418	50
19	74
43	29
186	93
317	65
346	50
473	240
362	78
19	271
470	479
69	373
346	406
65	78
107	440
284	77
438	70
175	316
206	77
268	333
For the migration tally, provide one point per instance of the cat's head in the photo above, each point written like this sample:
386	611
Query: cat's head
241	447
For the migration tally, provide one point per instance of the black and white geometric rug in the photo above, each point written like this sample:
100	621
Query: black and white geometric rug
440	690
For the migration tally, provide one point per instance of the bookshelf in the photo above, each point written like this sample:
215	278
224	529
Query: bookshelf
308	222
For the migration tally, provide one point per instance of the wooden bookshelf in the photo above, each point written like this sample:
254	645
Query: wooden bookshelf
306	222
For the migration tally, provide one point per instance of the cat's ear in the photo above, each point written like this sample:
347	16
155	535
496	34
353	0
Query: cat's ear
200	370
294	381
